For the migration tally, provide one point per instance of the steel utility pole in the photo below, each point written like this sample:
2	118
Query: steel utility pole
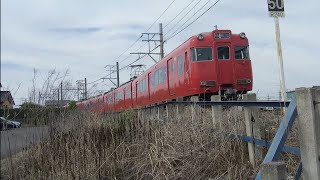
113	69
85	89
149	39
276	10
161	40
118	78
61	103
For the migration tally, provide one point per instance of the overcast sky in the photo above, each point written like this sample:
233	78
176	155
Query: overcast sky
84	36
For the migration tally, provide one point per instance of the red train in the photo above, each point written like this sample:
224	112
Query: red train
209	63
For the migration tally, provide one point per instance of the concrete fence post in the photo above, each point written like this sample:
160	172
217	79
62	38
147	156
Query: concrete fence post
193	107
274	171
216	112
179	110
253	128
308	108
158	113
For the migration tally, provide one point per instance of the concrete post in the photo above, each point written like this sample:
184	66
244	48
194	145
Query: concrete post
308	108
193	107
158	113
179	110
274	171
216	112
253	128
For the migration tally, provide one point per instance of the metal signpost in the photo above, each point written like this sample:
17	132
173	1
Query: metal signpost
276	10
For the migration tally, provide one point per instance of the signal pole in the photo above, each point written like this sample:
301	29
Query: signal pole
282	78
276	10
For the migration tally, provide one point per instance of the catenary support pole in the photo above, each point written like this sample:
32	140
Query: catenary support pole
85	89
61	102
118	77
308	107
161	41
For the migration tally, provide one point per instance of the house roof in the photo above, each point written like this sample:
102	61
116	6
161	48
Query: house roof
6	95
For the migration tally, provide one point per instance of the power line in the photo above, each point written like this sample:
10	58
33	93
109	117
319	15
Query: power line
160	15
188	18
185	15
136	41
172	35
178	14
193	20
145	31
124	66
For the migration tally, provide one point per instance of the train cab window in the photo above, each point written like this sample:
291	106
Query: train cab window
223	52
201	54
241	52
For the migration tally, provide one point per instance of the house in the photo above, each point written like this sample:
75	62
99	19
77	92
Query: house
6	100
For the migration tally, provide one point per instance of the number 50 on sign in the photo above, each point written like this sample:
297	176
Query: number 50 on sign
276	8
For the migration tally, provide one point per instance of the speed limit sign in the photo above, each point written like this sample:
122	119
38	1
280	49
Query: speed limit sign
276	8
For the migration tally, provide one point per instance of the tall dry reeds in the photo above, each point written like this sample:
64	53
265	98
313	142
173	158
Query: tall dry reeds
138	145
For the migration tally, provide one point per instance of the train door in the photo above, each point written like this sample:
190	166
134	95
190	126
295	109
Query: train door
225	63
171	76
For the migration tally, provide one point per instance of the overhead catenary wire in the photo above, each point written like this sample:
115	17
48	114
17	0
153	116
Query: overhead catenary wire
178	14
136	41
188	18
185	15
144	31
171	36
193	20
122	68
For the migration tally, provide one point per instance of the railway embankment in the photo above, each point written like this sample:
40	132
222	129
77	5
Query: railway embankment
156	143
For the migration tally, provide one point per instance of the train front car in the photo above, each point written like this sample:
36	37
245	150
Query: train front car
220	64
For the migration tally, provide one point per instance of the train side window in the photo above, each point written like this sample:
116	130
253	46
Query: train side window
144	85
223	52
156	77
180	65
127	93
171	66
241	52
164	73
152	79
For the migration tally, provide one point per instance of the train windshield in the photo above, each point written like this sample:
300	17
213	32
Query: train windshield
201	54
241	52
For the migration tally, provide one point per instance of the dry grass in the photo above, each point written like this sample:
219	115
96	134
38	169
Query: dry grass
135	145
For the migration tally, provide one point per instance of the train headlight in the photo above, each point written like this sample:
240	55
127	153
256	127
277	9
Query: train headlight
242	35
200	37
